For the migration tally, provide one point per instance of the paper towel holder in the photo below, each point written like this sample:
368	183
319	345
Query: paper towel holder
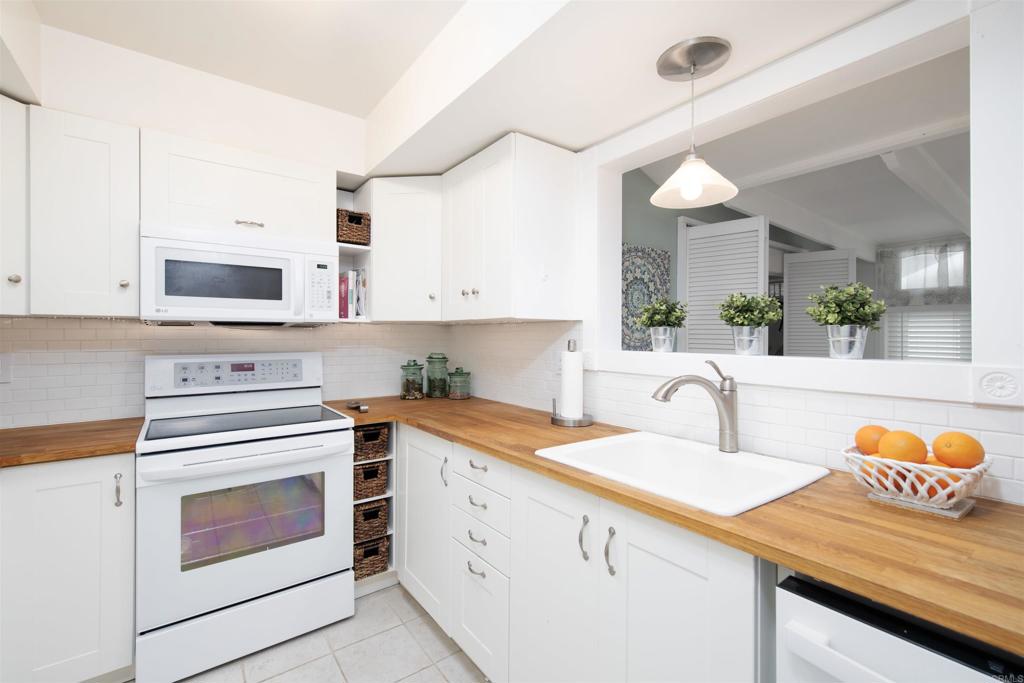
560	421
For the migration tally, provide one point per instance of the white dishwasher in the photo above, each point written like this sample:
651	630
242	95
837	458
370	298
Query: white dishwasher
824	634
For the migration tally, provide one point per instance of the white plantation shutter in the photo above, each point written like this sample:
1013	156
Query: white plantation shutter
719	259
928	332
803	274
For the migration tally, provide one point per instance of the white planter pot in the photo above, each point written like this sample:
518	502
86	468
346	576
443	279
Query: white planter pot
846	342
750	341
663	339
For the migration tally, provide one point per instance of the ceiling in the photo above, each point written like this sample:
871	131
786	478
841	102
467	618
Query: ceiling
341	55
589	72
827	160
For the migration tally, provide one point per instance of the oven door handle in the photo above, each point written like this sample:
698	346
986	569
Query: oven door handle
242	463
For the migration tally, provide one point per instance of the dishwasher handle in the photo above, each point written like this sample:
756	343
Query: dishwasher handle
241	463
814	647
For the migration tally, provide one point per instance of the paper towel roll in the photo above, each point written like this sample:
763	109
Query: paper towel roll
570	403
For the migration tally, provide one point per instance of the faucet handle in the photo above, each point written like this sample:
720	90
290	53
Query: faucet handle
727	383
718	370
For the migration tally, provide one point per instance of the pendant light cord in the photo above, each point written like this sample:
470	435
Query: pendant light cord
693	132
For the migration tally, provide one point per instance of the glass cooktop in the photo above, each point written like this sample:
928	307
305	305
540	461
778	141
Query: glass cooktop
173	427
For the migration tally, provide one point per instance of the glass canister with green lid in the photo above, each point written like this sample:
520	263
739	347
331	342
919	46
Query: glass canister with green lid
437	375
412	380
458	384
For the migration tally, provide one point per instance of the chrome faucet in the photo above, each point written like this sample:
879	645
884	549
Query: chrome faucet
724	396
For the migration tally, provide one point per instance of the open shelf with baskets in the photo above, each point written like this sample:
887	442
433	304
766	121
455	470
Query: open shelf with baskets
374	507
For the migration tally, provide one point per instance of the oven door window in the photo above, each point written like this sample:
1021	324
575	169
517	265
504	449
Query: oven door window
218	526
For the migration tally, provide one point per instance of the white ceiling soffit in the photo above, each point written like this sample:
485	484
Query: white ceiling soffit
340	55
589	72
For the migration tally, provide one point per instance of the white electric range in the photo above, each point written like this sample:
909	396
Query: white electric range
244	509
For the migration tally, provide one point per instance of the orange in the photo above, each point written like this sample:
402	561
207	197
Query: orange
957	449
867	438
940	484
903	446
882	475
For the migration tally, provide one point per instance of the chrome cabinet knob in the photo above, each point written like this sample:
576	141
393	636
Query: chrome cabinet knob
431	296
123	284
14	278
475	291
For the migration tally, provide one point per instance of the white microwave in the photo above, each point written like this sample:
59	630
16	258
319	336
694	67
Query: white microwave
268	282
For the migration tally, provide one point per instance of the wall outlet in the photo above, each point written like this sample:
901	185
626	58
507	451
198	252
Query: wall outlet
5	367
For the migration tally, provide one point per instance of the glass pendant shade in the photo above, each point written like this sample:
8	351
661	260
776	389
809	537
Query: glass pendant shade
694	184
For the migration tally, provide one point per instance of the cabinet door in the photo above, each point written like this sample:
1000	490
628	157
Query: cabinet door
406	249
67	570
424	470
678	607
213	188
478	220
554	634
84	199
479	614
13	207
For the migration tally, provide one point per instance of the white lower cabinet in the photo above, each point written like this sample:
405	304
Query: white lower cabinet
424	473
67	615
479	614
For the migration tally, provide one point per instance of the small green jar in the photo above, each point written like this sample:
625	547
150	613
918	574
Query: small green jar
412	380
458	384
437	375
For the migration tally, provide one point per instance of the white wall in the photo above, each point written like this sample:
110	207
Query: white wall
89	77
20	69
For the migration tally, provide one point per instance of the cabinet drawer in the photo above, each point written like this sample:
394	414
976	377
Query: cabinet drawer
483	469
480	607
484	504
481	539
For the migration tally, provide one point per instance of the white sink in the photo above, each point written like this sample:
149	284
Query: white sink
692	473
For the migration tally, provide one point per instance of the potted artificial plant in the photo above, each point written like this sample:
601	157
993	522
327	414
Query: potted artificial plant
749	317
847	313
662	317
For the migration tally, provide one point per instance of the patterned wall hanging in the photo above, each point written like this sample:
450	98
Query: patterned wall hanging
646	276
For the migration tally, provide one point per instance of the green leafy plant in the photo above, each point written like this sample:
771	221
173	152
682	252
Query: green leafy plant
756	310
662	313
852	304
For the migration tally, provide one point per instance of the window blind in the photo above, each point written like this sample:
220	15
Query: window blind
928	333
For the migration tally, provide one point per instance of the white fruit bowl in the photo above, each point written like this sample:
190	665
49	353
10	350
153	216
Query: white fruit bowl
928	486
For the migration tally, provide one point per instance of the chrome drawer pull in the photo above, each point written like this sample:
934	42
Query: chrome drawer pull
481	541
443	465
586	555
255	224
476	504
482	468
611	535
14	279
480	573
117	490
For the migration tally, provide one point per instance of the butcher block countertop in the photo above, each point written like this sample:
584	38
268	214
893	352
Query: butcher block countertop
967	575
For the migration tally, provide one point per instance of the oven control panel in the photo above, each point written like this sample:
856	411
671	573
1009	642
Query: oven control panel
216	373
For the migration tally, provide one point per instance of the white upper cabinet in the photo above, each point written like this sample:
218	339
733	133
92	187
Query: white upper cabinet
14	279
405	254
67	570
508	233
84	208
226	192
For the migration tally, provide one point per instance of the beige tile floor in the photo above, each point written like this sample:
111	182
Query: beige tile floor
389	639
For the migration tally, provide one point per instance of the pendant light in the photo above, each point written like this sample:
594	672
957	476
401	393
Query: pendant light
695	183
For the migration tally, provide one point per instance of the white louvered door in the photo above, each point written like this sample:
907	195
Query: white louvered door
719	259
804	274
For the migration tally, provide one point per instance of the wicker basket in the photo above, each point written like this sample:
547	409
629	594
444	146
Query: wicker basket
371	557
371	442
353	227
369	479
925	485
370	520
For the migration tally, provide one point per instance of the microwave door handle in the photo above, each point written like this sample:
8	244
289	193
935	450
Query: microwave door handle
240	464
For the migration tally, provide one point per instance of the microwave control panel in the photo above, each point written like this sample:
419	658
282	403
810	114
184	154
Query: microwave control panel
322	292
237	372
